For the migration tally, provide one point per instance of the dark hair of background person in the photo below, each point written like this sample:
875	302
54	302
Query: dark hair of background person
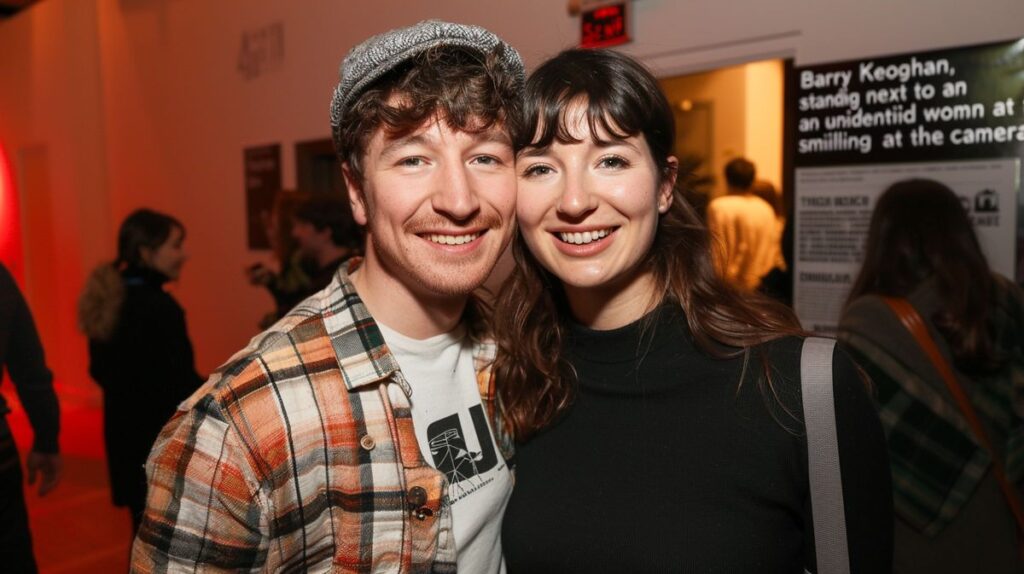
334	213
920	230
469	91
622	99
143	228
766	191
100	303
740	173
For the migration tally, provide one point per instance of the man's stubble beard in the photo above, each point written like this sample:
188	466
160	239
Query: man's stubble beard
448	280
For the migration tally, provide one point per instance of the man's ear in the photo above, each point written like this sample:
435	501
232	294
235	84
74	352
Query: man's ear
668	184
356	195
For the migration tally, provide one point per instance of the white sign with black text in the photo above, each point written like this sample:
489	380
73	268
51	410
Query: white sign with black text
833	211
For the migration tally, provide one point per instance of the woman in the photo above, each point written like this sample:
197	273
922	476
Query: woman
139	351
951	515
633	379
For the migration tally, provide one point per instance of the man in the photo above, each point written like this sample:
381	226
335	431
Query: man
21	353
744	228
359	434
325	234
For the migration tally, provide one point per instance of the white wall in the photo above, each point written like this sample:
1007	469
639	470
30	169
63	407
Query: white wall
685	36
51	124
140	102
764	110
726	90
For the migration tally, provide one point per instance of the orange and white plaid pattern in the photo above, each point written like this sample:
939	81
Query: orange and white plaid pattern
293	458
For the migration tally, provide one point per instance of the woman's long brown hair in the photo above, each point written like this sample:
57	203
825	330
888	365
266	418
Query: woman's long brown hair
920	231
536	384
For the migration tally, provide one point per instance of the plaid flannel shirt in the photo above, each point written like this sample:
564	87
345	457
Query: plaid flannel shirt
936	460
293	457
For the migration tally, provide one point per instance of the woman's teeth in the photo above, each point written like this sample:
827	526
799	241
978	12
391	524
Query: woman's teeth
584	237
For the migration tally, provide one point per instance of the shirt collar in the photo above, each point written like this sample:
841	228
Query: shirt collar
363	356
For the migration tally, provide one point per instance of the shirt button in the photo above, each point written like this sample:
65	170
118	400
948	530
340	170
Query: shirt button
416	497
367	442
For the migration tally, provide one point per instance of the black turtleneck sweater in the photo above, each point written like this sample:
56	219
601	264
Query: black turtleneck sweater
666	463
145	370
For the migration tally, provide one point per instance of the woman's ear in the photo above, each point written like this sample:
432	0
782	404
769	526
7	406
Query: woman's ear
668	184
146	254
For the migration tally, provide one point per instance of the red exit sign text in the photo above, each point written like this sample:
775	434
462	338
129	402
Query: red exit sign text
604	26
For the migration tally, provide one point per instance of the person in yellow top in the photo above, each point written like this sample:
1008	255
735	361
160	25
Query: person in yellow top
744	229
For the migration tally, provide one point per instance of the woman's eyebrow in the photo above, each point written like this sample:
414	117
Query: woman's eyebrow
534	151
616	142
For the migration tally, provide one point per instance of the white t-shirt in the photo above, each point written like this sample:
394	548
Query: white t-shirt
455	437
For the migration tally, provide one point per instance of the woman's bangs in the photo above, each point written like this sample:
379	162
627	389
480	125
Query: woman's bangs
606	121
551	120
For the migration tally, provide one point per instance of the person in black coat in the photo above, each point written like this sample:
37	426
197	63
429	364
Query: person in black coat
139	350
21	355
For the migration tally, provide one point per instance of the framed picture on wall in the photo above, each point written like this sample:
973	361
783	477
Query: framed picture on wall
262	172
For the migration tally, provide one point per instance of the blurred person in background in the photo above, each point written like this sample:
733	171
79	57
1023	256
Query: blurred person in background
290	283
777	282
952	515
744	228
765	190
139	350
325	232
21	354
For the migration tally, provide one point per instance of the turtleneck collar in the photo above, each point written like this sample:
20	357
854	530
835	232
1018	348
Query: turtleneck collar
634	360
139	275
665	325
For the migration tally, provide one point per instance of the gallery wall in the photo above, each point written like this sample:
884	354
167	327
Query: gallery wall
109	105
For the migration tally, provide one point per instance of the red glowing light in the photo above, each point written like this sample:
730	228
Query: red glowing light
10	220
604	26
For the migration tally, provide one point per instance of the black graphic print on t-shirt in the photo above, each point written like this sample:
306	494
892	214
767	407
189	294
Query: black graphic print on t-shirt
448	447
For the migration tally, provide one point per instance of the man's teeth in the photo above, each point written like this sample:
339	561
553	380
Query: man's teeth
452	239
584	237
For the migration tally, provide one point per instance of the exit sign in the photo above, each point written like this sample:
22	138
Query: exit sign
603	26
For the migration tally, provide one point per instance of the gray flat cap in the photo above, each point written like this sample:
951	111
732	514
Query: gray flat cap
381	53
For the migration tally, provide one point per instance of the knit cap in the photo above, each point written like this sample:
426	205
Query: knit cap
382	53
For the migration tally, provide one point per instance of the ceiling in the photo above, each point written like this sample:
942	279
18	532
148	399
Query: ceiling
9	8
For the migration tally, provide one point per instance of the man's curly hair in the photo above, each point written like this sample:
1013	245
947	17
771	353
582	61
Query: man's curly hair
470	91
